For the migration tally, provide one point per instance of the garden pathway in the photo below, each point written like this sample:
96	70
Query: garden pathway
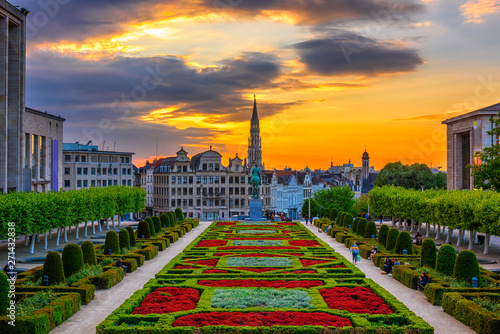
106	301
442	322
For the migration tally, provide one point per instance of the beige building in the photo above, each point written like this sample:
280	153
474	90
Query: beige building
467	134
85	166
43	146
12	95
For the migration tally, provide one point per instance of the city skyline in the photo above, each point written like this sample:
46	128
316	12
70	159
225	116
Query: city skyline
330	78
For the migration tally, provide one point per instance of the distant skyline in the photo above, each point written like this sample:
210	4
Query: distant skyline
331	76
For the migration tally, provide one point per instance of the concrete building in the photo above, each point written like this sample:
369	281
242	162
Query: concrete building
85	166
467	134
12	95
43	147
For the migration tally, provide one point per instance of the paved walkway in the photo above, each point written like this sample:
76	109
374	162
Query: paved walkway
442	322
106	301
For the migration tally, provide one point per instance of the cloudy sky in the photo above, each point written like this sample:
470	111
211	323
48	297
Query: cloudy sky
330	76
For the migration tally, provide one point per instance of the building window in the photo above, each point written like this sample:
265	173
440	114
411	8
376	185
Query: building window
115	182
92	183
185	169
237	168
205	180
104	183
190	202
204	167
210	203
210	179
67	183
115	171
122	159
110	171
230	179
184	202
67	171
179	180
92	171
198	202
210	167
123	182
198	179
67	158
129	183
84	158
104	170
236	191
79	171
223	202
216	202
85	171
216	180
184	191
230	190
172	203
190	191
243	191
236	202
222	179
184	179
190	180
242	202
127	160
172	180
179	201
124	171
129	171
236	179
217	167
242	180
98	171
85	183
79	183
77	158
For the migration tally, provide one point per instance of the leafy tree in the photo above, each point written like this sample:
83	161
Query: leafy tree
361	205
392	237
341	198
314	208
410	177
362	226
486	171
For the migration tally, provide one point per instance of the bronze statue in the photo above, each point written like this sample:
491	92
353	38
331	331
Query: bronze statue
255	182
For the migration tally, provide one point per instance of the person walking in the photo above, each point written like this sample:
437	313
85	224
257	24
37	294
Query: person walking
272	218
355	252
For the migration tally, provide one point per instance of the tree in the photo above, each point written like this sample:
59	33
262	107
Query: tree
486	169
361	205
410	177
314	208
341	198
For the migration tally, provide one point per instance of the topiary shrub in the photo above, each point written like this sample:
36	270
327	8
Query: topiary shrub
111	242
165	221
403	242
370	229
178	214
131	236
152	230
382	234
428	255
173	219
355	224
445	262
72	258
4	293
361	226
53	268
348	220
88	251
333	214
392	237
143	230
124	238
466	266
157	223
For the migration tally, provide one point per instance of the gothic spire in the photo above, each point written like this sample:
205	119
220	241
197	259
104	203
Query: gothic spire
255	116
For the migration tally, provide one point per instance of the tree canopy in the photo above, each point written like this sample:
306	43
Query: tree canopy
314	208
410	176
341	198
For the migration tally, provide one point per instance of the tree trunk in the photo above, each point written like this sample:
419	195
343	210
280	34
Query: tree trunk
487	244
77	227
33	240
434	228
93	227
65	235
459	239
85	233
107	224
393	220
50	234
113	218
100	225
471	240
437	232
448	235
69	228
58	236
427	229
411	226
26	243
45	240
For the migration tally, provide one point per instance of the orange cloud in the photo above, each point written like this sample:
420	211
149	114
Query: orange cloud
474	10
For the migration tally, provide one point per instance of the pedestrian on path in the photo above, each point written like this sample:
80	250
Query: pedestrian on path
355	252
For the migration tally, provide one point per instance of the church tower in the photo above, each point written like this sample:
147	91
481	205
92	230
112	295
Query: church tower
366	165
254	142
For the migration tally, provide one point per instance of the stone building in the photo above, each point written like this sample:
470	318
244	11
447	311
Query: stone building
43	146
12	95
255	141
85	166
368	176
467	134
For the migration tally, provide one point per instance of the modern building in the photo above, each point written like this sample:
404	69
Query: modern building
12	95
85	166
43	147
466	135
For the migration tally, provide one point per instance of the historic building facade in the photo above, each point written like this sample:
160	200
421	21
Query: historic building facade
467	134
85	166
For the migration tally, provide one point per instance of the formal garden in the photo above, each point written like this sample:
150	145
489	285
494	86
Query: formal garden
261	277
47	295
459	284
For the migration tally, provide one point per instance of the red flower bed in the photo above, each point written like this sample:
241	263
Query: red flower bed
357	300
338	266
211	243
255	247
226	224
295	254
286	232
288	224
254	319
259	255
215	271
210	263
308	263
256	270
184	267
300	272
226	231
168	300
260	238
223	254
304	243
251	283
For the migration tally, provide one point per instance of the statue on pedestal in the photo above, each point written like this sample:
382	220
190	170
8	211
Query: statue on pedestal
255	182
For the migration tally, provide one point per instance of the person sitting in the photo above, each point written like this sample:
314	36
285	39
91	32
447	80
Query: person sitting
418	240
373	252
119	263
387	265
396	262
424	279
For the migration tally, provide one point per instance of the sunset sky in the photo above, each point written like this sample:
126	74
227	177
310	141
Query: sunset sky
331	76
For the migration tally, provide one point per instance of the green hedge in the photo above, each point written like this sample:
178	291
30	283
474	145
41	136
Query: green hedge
112	243
53	268
428	255
143	229
466	266
446	257
362	226
403	242
88	250
72	258
382	234
392	237
370	230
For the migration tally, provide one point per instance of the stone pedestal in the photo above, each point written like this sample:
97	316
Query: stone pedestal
255	209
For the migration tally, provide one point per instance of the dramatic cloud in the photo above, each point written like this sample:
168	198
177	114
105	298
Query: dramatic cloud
474	10
345	53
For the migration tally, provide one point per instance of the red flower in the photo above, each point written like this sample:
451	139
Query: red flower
288	224
169	300
308	263
251	283
255	247
338	266
259	238
223	254
184	267
225	224
286	232
215	271
209	263
211	243
254	319
356	300
300	272
304	243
